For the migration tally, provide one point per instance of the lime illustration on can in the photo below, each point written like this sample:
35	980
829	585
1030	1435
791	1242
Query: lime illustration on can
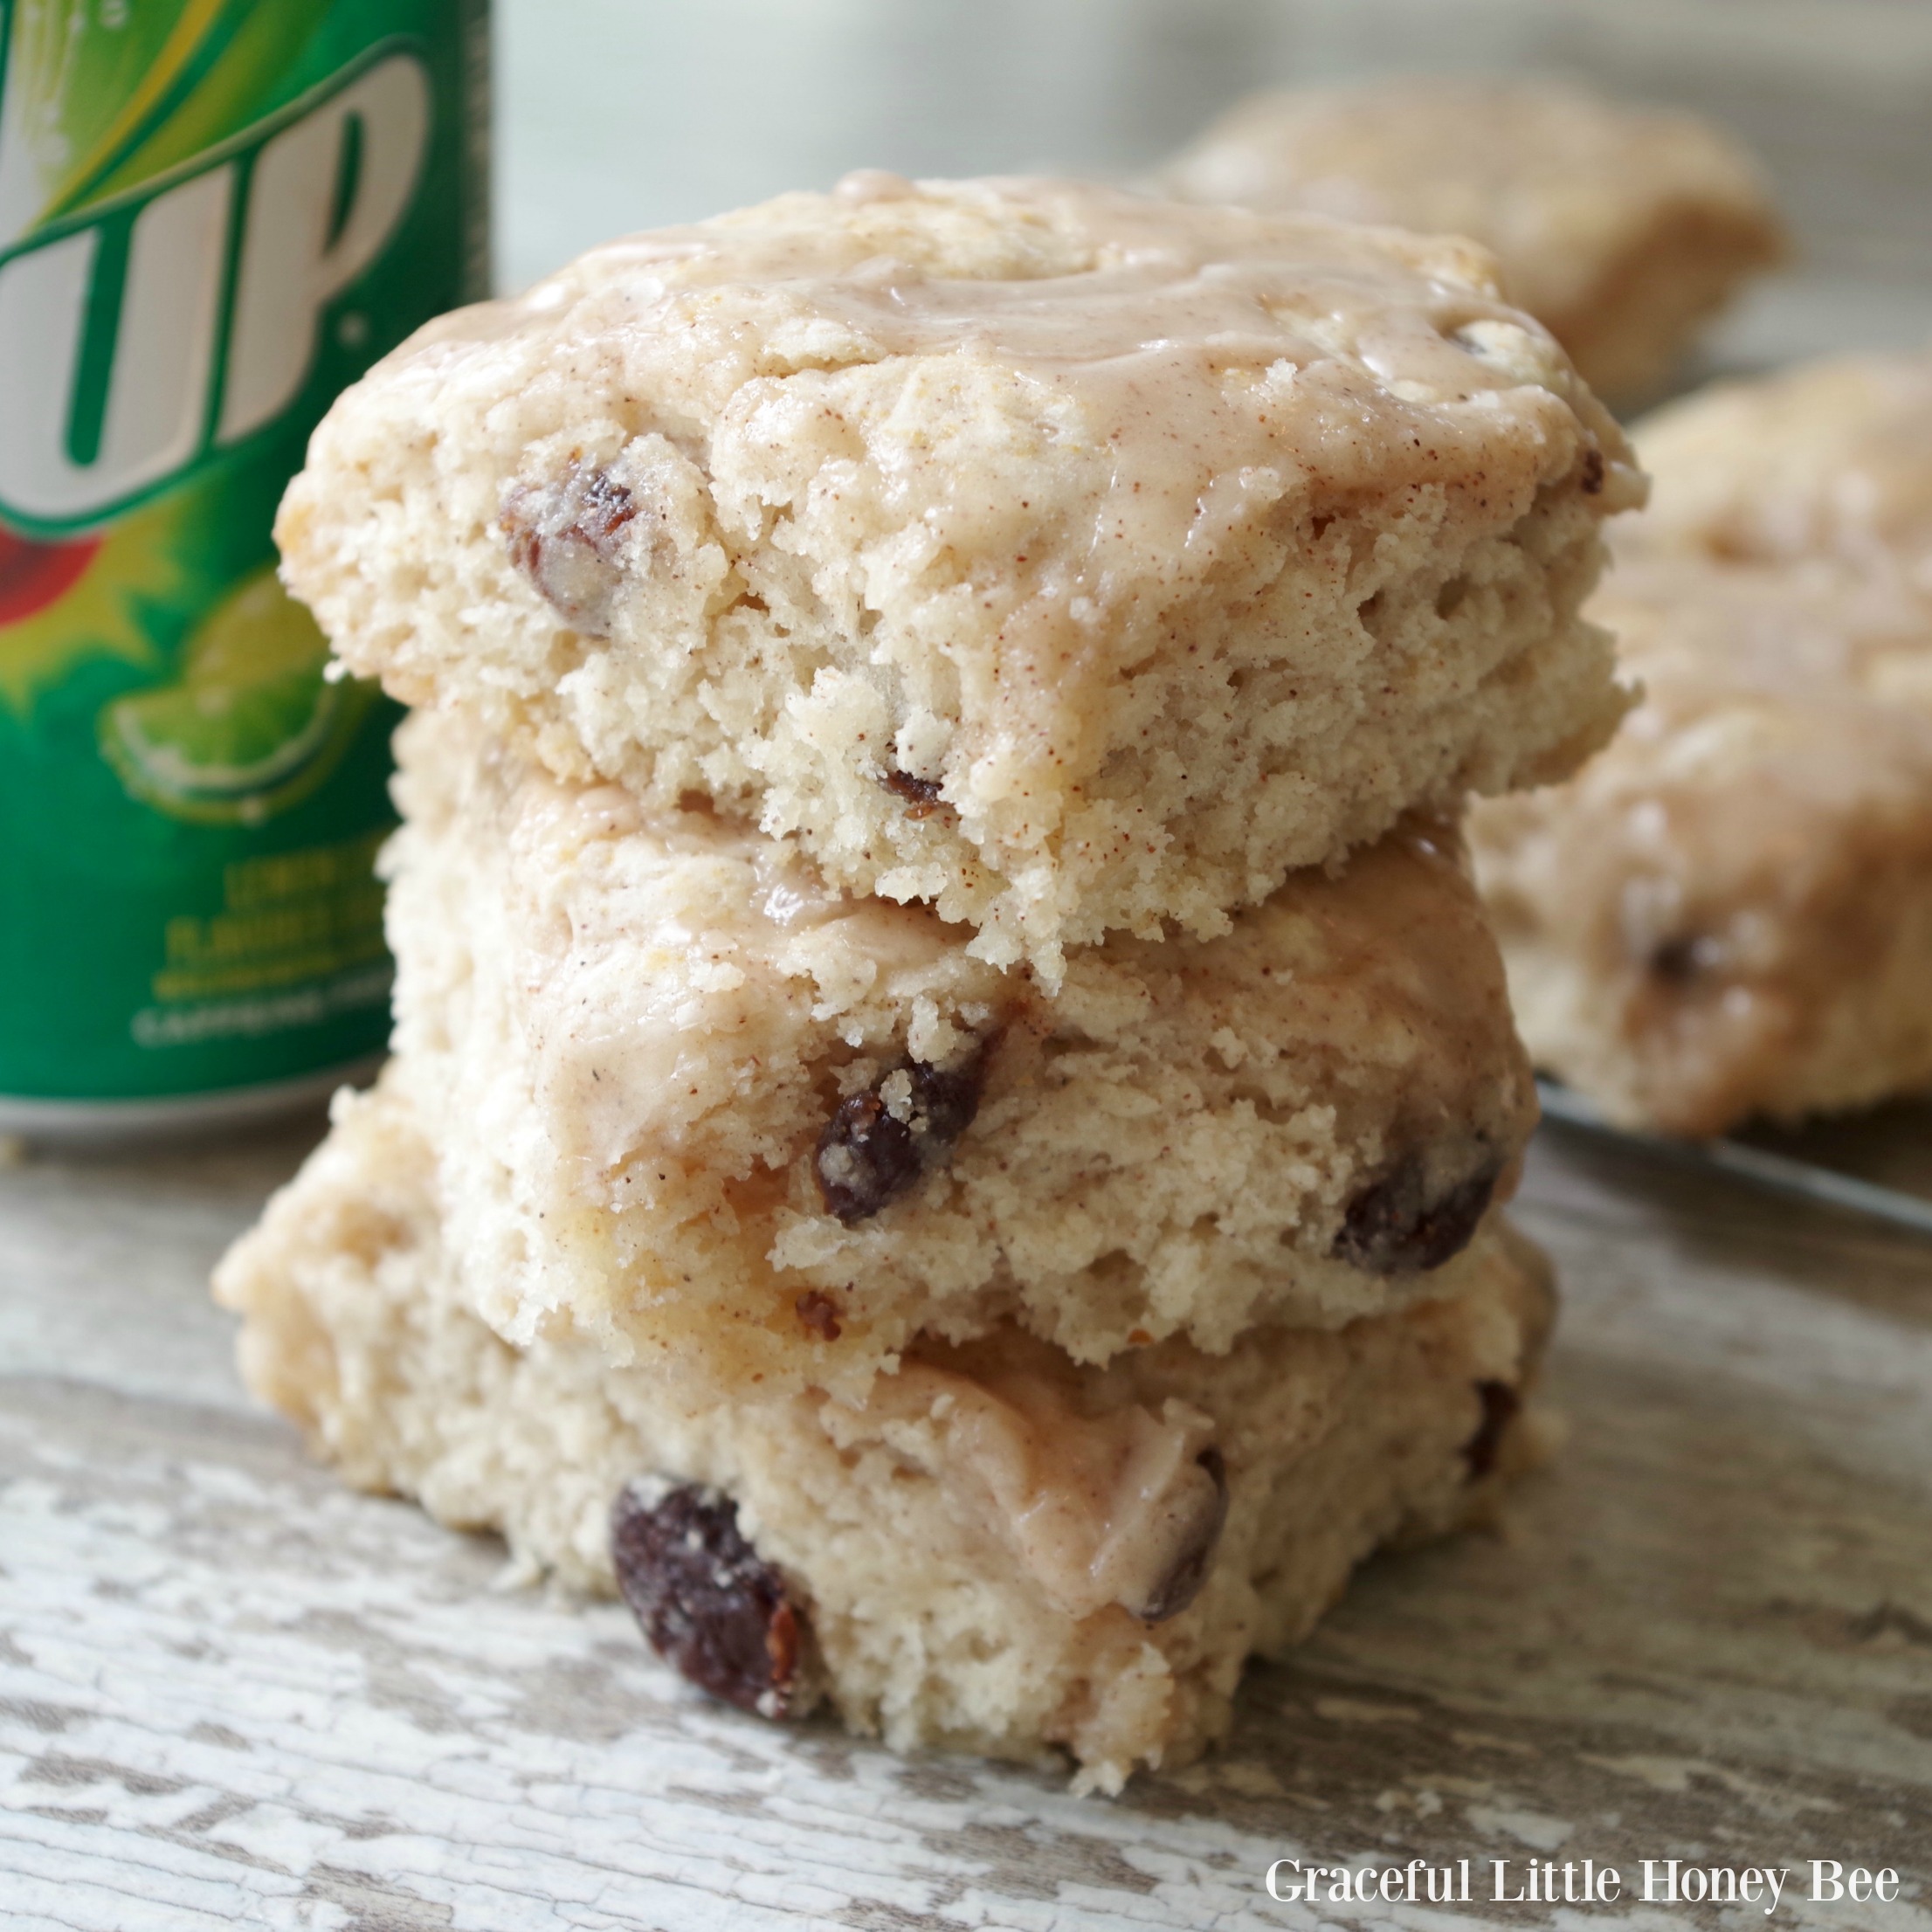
214	214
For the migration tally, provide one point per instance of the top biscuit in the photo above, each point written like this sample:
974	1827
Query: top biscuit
1622	228
1070	560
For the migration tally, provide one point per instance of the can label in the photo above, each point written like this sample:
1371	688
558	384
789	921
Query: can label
214	215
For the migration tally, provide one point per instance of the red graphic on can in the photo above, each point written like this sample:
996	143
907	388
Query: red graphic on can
33	575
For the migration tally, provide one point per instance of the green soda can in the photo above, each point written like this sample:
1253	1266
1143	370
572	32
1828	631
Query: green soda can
214	214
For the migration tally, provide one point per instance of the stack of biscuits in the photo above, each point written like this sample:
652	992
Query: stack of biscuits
950	1085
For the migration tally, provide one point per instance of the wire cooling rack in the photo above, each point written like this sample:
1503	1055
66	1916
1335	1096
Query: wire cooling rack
1756	1166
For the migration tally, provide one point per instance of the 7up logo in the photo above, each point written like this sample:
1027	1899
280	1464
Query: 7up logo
173	323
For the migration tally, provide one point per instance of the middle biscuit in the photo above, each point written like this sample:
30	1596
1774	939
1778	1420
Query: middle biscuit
688	1099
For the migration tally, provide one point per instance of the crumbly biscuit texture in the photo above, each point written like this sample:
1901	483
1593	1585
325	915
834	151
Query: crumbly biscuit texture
1621	228
1729	911
1070	560
689	1098
998	1551
1832	458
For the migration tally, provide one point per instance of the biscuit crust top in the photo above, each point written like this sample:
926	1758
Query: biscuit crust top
1140	370
1155	316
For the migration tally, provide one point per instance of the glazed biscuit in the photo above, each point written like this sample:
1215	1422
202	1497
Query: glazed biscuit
997	1551
1070	561
1729	912
689	1099
1621	229
1829	459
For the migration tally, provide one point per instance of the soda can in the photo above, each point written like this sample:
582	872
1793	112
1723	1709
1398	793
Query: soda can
214	214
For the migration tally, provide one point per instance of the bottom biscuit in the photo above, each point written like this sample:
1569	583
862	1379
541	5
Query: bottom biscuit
999	1550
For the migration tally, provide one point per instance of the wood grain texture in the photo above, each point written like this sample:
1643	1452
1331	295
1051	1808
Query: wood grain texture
232	1694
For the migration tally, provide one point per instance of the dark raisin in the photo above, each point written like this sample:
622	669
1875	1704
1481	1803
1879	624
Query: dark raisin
603	507
1183	1583
566	539
819	1312
1592	480
946	1102
1681	961
866	1156
1499	1405
710	1605
1395	1225
921	795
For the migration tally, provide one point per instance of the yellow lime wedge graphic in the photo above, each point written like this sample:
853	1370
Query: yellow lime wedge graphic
249	727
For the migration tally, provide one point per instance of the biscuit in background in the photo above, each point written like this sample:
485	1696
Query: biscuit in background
1621	229
1728	911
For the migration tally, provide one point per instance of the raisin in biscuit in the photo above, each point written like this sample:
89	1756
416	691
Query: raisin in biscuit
1621	229
1071	560
684	1095
1832	458
1729	911
998	1551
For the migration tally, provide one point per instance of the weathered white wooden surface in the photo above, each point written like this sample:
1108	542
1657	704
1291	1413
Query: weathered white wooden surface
231	1692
